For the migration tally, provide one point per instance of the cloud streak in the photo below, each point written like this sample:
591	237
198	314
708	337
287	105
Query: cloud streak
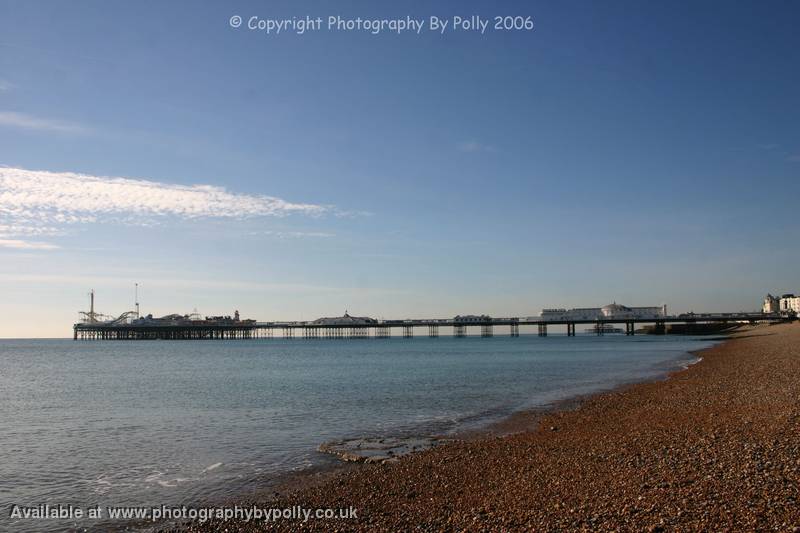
30	228
69	197
28	122
36	203
18	244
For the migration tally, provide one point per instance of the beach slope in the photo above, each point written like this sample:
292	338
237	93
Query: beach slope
715	447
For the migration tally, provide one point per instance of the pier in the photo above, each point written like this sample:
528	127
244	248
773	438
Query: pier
234	329
600	321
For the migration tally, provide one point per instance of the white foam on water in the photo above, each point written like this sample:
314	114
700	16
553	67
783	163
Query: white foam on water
156	477
212	467
101	485
153	477
692	362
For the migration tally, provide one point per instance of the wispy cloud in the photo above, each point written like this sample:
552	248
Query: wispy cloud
795	158
67	197
475	146
41	203
5	86
352	214
29	122
29	228
19	244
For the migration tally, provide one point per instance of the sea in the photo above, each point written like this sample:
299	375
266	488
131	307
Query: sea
151	423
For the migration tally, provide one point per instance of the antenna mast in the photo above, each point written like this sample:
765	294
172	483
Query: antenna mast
136	298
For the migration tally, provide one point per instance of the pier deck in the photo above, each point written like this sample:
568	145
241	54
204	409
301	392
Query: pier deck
384	328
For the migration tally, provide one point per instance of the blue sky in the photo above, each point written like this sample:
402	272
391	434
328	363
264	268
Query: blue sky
619	151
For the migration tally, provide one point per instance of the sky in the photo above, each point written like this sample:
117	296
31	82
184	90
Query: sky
643	153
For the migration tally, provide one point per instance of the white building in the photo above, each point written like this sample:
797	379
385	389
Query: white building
790	303
613	311
772	304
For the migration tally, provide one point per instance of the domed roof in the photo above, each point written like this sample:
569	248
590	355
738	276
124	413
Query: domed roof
614	307
344	320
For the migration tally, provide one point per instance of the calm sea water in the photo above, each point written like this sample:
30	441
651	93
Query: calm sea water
150	423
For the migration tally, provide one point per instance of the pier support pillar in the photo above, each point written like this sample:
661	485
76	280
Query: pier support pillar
433	330
660	328
486	330
359	332
459	330
543	330
408	332
515	330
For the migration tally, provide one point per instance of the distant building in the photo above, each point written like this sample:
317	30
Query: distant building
345	320
467	319
772	304
785	304
612	311
191	319
790	304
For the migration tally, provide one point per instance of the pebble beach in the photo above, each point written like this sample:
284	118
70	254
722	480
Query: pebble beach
715	447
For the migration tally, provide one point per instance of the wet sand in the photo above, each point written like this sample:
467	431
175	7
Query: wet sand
715	447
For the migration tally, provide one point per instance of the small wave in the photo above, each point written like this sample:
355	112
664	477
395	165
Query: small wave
212	467
171	483
694	361
102	485
153	477
156	477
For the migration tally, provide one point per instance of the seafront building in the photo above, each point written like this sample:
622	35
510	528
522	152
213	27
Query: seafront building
787	303
772	304
790	303
607	312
